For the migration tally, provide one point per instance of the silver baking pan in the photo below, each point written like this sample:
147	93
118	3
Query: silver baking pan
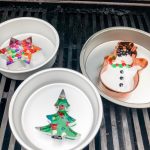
102	44
29	106
43	34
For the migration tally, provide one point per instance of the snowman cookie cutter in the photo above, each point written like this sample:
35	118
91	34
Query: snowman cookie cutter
120	72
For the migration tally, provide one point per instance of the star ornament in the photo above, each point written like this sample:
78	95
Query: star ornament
19	50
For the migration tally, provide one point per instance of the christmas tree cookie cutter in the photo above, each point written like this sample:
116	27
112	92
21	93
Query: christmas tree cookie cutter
60	122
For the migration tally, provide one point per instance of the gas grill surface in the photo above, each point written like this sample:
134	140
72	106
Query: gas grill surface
122	128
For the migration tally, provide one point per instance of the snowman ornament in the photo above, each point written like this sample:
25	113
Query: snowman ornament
120	70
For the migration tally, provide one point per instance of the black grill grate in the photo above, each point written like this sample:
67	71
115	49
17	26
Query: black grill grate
122	128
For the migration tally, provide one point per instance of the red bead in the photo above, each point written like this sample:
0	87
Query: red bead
110	61
60	114
3	51
123	64
53	126
67	123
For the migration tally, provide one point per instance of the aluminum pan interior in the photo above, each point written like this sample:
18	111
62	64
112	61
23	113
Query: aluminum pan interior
110	34
51	76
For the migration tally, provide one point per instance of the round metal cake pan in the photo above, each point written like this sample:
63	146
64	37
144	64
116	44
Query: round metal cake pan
50	77
30	26
91	68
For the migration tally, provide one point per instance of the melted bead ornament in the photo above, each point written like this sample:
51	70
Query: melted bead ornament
19	50
60	122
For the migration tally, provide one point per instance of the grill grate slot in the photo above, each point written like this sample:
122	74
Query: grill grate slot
122	128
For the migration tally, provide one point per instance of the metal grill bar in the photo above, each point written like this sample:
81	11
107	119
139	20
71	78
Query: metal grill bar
103	136
61	52
125	126
122	128
147	123
5	115
112	110
99	2
114	128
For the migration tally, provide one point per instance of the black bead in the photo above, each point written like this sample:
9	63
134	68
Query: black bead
121	84
121	78
121	71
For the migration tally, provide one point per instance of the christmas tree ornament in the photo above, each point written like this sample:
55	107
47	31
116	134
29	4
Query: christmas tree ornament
60	122
120	70
19	50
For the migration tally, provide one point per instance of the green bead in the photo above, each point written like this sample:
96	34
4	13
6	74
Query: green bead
128	66
113	65
120	66
13	51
